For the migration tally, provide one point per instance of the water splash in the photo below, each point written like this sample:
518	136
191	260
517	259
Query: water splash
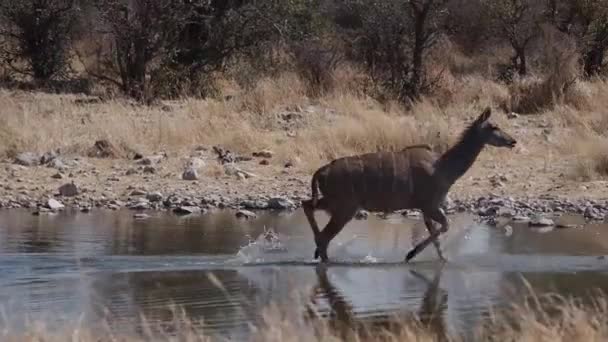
267	242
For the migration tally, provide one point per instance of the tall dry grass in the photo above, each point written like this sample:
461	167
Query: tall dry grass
548	317
343	120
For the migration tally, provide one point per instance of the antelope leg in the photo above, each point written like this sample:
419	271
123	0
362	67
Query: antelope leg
421	246
438	216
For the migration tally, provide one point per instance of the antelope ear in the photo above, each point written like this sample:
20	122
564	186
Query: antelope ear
484	116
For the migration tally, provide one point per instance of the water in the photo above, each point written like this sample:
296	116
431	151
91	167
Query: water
85	268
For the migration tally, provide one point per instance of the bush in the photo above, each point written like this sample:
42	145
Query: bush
36	37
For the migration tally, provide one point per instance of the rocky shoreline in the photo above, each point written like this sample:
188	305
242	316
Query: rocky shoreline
49	183
489	209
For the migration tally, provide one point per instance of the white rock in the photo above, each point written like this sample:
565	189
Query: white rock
27	159
54	204
541	222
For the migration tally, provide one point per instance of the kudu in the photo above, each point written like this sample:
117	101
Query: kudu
413	178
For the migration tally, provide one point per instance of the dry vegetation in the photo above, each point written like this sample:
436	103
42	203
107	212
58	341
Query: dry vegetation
544	318
350	77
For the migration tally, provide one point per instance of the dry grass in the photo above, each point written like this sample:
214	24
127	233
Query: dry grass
344	121
547	318
337	124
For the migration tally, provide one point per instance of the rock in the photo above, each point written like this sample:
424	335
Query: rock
85	209
540	221
140	205
187	210
487	211
27	159
138	192
232	170
279	203
57	176
195	163
263	154
151	160
149	169
48	157
131	171
245	214
362	215
141	216
512	115
563	225
138	156
68	190
190	174
264	162
103	149
154	196
54	204
593	214
252	204
521	218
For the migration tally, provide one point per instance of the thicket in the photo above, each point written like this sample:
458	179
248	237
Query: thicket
159	49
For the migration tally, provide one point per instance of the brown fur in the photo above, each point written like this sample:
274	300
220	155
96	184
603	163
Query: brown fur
415	177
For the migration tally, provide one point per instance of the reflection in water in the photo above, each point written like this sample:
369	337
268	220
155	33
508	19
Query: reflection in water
102	265
434	304
343	319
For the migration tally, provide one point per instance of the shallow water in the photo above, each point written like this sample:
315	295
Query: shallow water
76	267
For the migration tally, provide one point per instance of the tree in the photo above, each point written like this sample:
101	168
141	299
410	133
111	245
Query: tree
517	22
392	39
36	36
139	32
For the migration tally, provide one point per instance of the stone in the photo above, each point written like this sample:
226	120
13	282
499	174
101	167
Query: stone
187	210
563	225
521	218
263	154
138	192
190	174
131	171
253	204
245	214
27	159
141	205
512	115
141	216
154	196
54	204
57	176
149	169
195	163
279	203
68	190
540	221
362	215
264	162
151	160
48	157
103	149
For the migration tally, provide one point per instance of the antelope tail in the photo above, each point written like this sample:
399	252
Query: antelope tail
314	185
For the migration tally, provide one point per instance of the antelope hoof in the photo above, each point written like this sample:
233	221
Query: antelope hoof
410	255
322	254
316	253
